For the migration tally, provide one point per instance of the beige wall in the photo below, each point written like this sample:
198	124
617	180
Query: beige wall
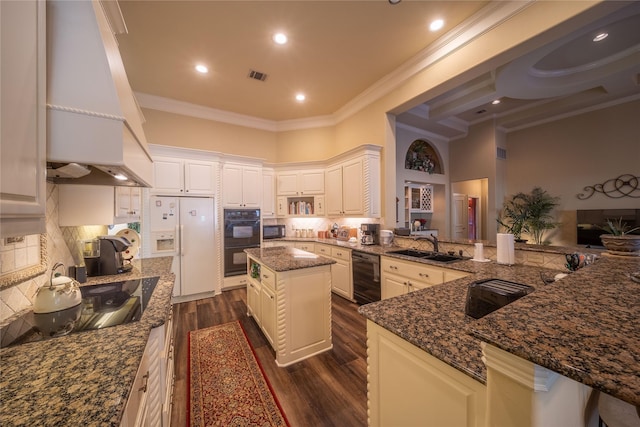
305	145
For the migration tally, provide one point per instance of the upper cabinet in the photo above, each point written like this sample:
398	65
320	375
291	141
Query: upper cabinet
242	185
300	183
268	193
23	117
183	177
355	186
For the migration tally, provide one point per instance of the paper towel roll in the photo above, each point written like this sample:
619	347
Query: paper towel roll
478	254
505	249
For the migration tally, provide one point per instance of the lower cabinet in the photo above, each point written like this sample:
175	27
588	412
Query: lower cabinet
409	387
341	275
149	402
292	308
399	277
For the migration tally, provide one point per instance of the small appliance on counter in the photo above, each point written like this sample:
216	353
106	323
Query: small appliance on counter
370	234
104	255
386	237
273	232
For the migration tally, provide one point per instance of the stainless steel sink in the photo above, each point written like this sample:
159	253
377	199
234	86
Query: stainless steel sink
431	256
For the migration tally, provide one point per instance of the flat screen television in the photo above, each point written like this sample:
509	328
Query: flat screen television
589	223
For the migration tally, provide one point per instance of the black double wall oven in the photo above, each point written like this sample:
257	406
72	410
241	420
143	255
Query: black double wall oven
241	231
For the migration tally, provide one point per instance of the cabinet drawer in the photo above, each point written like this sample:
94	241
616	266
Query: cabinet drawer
413	270
309	247
268	277
323	250
341	253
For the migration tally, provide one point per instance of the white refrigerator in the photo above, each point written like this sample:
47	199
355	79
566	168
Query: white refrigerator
184	227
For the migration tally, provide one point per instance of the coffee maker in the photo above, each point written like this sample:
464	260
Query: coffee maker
370	234
108	259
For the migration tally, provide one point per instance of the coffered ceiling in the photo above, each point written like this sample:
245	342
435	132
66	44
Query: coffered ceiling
339	50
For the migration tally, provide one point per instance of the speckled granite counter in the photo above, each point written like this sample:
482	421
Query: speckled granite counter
84	378
282	258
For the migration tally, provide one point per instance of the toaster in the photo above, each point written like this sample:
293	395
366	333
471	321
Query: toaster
486	296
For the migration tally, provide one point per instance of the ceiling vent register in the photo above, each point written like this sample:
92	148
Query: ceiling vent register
257	75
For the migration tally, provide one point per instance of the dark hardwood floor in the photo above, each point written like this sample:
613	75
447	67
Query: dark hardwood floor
329	389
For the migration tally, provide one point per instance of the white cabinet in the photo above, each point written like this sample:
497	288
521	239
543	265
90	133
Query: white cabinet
128	201
409	387
282	207
355	187
341	273
268	193
399	277
300	183
305	246
23	117
149	402
97	205
241	186
181	176
268	306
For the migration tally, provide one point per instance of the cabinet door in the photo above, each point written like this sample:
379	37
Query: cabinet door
319	206
392	286
341	278
334	195
268	195
352	188
168	176
311	182
251	187
268	307
281	206
199	178
253	301
287	184
136	201
232	185
23	116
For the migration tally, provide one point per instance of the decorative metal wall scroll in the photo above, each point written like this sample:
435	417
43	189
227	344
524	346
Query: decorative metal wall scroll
421	156
626	185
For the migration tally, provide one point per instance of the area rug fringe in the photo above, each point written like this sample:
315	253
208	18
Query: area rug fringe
226	383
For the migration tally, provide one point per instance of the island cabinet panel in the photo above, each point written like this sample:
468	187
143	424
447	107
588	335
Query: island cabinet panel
409	387
293	309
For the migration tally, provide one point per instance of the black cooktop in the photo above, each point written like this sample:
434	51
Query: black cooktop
102	306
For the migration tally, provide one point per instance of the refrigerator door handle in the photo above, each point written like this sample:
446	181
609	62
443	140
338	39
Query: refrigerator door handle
181	241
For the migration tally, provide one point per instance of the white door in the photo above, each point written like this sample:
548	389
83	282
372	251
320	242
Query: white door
460	216
163	213
197	247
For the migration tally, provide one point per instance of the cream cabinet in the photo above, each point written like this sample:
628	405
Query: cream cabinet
282	207
399	277
149	402
183	177
97	205
295	310
305	246
268	209
409	387
241	186
300	183
128	202
23	117
341	271
355	186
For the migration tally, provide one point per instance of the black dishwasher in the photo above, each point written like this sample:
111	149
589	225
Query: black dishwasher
366	277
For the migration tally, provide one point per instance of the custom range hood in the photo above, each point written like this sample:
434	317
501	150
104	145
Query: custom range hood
94	124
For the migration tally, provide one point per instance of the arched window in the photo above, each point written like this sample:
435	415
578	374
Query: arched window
421	156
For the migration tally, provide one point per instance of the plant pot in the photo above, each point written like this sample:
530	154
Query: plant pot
626	245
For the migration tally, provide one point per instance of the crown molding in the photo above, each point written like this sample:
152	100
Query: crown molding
483	21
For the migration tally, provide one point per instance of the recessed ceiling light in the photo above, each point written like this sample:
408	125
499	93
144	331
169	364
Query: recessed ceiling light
300	97
280	38
600	37
495	102
436	25
202	69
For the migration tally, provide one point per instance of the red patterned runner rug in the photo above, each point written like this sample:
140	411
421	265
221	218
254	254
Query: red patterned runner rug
227	386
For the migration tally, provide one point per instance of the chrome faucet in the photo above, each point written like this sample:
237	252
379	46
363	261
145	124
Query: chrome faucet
433	240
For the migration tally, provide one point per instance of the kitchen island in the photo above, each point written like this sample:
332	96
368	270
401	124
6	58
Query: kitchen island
566	338
289	296
84	378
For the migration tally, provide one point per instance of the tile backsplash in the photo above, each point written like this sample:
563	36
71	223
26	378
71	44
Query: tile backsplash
21	252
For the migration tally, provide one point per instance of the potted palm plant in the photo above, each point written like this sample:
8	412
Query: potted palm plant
619	240
529	213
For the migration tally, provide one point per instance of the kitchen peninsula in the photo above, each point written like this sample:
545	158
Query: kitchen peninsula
531	363
289	296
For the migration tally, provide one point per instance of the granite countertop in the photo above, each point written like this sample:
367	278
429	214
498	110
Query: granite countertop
84	378
281	258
